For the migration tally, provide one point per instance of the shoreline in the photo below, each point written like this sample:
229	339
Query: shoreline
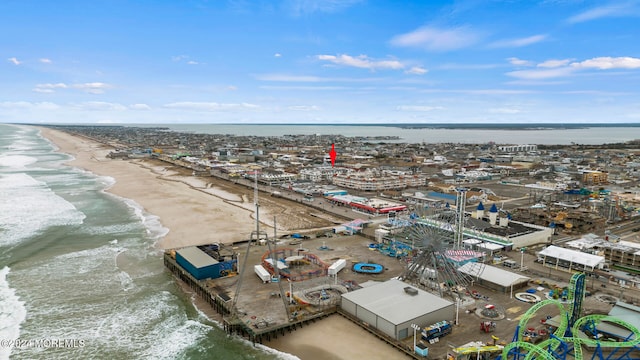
192	215
169	197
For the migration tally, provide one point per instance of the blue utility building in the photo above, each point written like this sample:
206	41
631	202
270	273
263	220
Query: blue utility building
198	263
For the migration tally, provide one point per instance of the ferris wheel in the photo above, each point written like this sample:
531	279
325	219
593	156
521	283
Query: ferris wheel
434	234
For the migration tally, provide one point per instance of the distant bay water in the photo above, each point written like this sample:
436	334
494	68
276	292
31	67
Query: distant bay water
79	264
541	134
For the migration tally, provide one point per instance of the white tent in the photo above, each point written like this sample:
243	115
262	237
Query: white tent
572	259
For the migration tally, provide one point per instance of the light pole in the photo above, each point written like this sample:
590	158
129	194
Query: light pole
522	258
415	328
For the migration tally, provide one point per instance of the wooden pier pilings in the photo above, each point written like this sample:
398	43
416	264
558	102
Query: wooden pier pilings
215	300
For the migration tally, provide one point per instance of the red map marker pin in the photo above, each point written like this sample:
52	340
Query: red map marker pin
333	155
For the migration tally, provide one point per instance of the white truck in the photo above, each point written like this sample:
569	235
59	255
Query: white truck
262	273
336	267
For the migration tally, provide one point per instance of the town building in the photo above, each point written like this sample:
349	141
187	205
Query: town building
517	148
378	181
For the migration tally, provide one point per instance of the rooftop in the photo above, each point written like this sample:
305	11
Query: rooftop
390	301
197	257
494	274
574	256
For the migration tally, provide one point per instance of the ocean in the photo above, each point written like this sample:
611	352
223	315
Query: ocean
78	267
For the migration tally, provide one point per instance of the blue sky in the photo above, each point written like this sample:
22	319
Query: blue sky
319	61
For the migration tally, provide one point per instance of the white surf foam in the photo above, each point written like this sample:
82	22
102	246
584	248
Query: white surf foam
32	208
150	327
82	295
16	161
173	341
280	354
155	229
12	313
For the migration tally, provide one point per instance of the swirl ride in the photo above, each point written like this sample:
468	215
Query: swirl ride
569	339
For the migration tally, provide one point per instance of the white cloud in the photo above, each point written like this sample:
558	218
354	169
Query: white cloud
616	10
604	63
49	88
519	62
597	92
185	59
456	66
99	106
416	70
559	68
435	39
14	61
179	58
520	42
47	106
15	104
209	106
139	107
504	111
554	63
418	108
313	79
303	88
534	82
479	91
362	61
277	55
536	74
45	61
22	105
92	88
304	108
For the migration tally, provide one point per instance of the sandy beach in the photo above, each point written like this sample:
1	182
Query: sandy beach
334	338
195	213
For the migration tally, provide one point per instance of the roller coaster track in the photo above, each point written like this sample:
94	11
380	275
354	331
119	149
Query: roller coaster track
569	330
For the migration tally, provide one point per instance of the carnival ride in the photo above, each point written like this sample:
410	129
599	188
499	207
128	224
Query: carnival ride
572	333
476	350
368	268
293	264
438	255
487	326
435	331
